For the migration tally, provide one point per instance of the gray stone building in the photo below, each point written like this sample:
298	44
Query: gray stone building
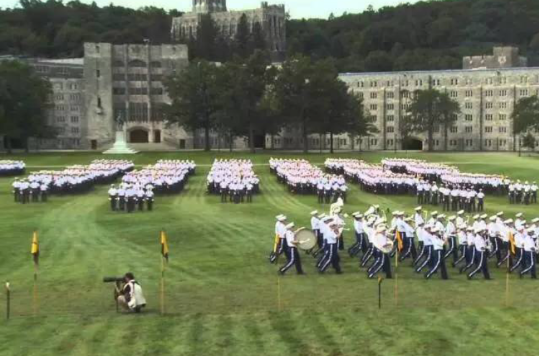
487	97
125	82
66	114
272	19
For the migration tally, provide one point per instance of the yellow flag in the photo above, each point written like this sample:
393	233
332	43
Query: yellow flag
35	248
399	241
164	245
512	241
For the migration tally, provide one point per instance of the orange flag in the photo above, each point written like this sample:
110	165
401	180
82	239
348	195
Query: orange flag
164	245
512	241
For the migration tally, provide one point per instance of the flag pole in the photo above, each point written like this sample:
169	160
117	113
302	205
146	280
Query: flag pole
8	301
396	291
278	293
507	281
162	293
36	302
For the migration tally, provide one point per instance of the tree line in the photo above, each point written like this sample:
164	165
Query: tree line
424	35
249	97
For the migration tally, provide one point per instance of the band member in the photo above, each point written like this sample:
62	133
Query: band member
519	238
450	235
332	255
359	232
292	253
315	227
507	233
408	239
438	254
381	244
529	248
493	232
369	238
470	250
462	236
279	245
148	196
418	216
480	254
420	232
428	249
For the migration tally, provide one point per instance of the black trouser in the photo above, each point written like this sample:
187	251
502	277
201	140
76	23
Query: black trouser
293	260
481	262
529	262
438	263
331	258
112	199
149	203
383	262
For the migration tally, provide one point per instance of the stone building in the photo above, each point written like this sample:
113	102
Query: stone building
66	114
487	97
125	82
503	57
272	19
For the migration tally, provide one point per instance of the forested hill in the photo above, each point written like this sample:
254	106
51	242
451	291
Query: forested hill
425	35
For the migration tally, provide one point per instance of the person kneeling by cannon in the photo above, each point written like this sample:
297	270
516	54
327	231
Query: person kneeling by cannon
128	293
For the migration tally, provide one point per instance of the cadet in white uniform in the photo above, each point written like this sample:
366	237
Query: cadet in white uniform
292	253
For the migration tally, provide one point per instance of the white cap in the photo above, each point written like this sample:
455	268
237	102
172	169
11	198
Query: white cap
493	218
461	212
290	226
484	216
500	213
476	217
452	218
508	221
531	230
314	212
281	218
434	213
381	228
418	208
535	221
478	230
519	215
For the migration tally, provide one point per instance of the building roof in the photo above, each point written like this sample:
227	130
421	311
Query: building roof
74	61
442	71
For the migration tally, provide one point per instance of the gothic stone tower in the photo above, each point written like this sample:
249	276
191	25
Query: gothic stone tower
272	19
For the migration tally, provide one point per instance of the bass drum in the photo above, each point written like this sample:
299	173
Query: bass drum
306	239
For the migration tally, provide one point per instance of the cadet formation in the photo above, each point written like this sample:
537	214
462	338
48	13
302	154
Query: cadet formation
11	168
138	187
301	177
430	244
234	180
72	180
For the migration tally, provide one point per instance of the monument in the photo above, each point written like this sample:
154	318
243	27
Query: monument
120	146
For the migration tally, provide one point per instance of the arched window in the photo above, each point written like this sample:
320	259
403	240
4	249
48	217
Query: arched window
155	64
118	63
137	63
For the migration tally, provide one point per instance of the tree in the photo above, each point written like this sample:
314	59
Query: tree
206	39
528	141
23	102
298	94
431	109
258	41
194	98
525	115
241	95
242	38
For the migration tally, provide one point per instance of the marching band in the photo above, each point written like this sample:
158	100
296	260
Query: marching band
463	243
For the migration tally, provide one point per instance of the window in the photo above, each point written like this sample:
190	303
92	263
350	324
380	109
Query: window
502	129
138	91
374	95
343	142
74	130
502	105
137	63
360	94
454	129
489	105
503	80
117	63
469	143
502	117
469	93
405	94
488	143
523	80
98	102
156	77
390	118
489	93
60	107
419	83
155	64
436	142
454	94
75	108
75	97
118	77
468	105
436	82
389	142
436	128
452	143
58	96
523	92
488	117
488	129
97	73
138	111
374	84
74	119
454	81
390	129
390	107
374	141
468	117
489	81
468	129
118	91
157	91
503	92
390	95
502	142
360	84
60	119
374	107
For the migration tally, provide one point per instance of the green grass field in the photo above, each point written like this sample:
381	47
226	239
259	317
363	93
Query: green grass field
222	294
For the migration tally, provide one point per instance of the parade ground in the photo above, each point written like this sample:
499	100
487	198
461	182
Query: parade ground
222	296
